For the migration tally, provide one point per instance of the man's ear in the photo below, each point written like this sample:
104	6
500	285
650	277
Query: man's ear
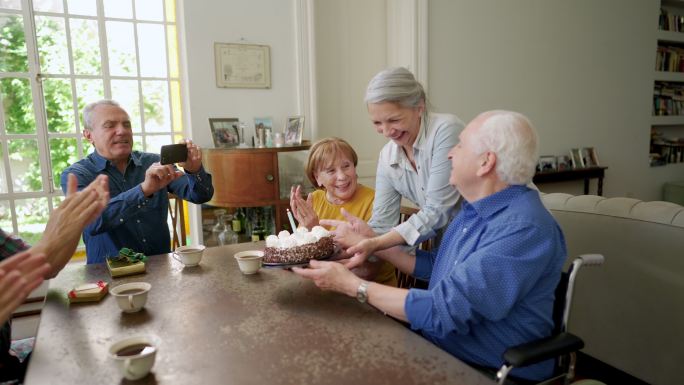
488	163
86	135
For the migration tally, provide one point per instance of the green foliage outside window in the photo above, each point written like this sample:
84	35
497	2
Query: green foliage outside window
18	105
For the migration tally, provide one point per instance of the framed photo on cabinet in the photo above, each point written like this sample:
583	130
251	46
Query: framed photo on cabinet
547	163
590	157
576	158
225	132
294	127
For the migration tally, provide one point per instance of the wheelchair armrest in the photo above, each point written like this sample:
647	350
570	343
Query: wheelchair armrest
542	349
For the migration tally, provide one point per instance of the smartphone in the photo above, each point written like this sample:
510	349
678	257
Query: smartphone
174	153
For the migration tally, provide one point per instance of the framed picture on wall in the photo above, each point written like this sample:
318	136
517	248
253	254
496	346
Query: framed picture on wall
242	65
294	127
225	132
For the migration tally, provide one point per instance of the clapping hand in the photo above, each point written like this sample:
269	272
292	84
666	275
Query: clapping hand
67	221
194	161
355	236
20	274
303	209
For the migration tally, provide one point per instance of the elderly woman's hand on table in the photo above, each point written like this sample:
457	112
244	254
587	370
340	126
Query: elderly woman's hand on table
303	209
330	276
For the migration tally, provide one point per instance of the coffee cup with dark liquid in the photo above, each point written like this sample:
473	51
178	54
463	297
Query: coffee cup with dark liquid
134	356
190	255
131	297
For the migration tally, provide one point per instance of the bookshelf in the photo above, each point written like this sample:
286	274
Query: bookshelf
667	115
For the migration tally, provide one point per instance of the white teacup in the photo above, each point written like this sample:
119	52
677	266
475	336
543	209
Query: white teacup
190	255
249	261
134	356
131	297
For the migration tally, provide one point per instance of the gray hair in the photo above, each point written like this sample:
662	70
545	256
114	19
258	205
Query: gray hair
513	138
88	111
396	85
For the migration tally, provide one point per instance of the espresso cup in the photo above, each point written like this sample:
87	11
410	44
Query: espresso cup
134	356
249	261
189	255
131	297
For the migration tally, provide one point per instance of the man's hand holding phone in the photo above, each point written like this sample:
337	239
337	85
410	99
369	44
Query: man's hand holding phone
193	163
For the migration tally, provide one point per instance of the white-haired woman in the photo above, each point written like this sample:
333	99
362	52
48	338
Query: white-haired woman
412	165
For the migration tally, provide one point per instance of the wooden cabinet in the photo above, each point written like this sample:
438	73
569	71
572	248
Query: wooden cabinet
249	177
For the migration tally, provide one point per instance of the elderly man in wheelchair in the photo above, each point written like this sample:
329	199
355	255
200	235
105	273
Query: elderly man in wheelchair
492	282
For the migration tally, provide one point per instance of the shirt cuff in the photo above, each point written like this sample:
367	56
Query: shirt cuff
408	232
199	172
418	309
423	267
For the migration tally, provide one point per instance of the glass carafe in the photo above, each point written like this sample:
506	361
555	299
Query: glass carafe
227	236
218	226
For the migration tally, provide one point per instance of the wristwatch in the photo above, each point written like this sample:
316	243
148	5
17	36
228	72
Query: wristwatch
362	292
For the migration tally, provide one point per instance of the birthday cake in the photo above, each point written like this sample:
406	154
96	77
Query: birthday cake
299	247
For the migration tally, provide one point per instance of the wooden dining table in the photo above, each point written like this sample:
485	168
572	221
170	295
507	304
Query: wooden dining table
214	325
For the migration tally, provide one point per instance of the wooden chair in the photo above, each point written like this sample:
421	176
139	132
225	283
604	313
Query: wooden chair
407	281
177	213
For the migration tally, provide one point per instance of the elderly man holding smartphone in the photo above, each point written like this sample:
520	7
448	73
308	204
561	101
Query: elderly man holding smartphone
138	184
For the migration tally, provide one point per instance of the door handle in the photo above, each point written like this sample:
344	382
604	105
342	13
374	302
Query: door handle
269	177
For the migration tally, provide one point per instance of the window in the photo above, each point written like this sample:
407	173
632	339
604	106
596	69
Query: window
56	56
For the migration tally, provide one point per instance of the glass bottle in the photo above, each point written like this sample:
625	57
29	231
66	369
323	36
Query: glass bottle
258	229
218	226
243	219
268	221
235	223
227	236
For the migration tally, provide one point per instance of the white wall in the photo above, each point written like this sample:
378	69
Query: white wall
269	22
204	22
350	48
581	70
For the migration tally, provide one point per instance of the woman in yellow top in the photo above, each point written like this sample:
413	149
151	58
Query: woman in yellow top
332	169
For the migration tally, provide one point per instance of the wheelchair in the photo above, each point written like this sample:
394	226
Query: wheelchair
561	344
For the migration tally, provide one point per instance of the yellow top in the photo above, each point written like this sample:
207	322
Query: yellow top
361	205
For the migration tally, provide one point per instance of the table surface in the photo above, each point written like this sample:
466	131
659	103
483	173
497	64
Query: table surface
215	325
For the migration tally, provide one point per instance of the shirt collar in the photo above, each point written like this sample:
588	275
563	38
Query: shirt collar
101	162
492	204
396	152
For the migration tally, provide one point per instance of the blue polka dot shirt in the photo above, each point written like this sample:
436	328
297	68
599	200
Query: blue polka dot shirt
492	280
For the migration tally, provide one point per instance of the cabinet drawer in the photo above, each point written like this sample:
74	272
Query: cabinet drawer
243	178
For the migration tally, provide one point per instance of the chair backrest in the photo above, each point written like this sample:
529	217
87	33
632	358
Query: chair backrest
407	281
177	213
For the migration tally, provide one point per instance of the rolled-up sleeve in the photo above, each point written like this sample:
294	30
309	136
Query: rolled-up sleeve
440	196
486	285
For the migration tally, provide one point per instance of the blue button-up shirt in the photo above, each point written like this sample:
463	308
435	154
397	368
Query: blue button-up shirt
131	219
492	281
